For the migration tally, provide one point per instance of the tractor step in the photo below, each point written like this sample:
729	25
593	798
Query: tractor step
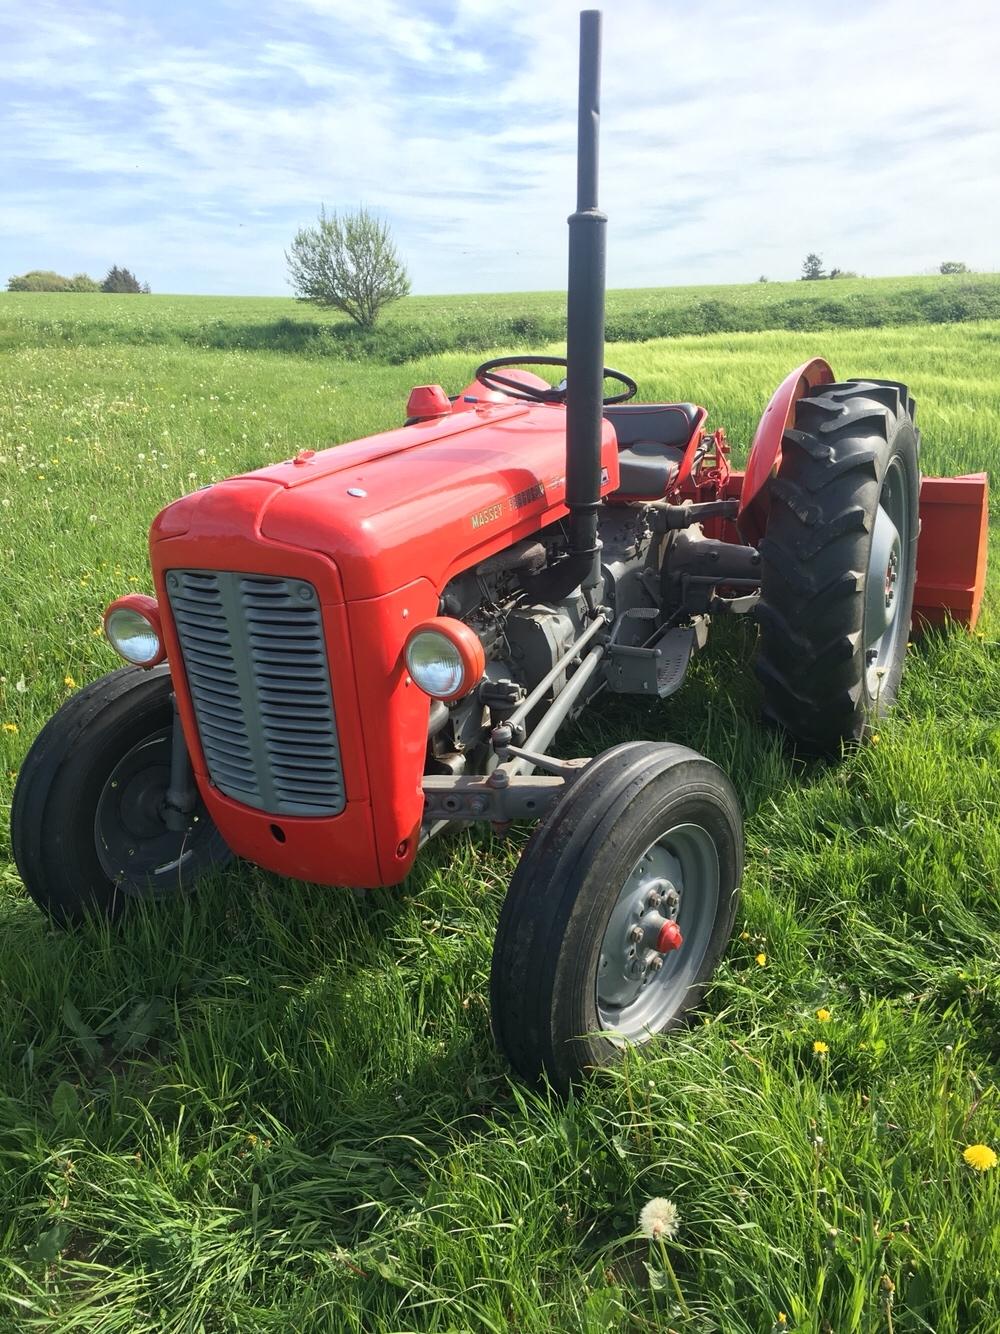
675	649
657	669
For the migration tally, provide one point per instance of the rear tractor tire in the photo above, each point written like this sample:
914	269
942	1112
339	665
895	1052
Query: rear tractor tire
618	913
839	562
87	819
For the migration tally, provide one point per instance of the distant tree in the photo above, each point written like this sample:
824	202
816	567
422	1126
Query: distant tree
762	278
812	268
82	282
842	273
38	280
146	289
120	280
347	261
954	266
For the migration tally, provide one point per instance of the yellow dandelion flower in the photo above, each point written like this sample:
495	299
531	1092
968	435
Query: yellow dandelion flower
761	959
823	1015
10	727
875	738
658	1218
820	1048
744	935
68	681
980	1157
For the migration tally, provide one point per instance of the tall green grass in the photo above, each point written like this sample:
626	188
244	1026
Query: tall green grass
423	326
271	1107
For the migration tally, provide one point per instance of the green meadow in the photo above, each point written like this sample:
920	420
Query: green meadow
421	326
272	1107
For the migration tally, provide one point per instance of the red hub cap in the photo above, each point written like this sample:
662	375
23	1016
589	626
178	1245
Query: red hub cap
670	938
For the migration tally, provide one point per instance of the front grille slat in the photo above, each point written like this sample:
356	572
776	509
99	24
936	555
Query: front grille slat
255	657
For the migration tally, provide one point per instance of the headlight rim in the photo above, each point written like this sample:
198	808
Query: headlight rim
147	609
464	640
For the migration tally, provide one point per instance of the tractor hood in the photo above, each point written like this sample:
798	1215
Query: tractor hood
429	499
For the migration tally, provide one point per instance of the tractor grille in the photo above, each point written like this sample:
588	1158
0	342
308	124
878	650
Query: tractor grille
257	670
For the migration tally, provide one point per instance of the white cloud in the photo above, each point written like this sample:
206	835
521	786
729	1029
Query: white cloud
733	141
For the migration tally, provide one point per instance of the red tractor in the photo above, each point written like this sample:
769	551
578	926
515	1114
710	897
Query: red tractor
352	649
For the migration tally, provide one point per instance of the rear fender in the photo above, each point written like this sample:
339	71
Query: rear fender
765	452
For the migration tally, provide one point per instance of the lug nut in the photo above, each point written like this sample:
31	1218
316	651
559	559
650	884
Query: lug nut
635	934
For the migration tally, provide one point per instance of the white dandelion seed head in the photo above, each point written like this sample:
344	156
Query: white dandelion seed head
658	1218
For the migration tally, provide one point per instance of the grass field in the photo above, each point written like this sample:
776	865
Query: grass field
275	1108
423	325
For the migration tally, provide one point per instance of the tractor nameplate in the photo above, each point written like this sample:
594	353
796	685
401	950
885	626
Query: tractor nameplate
489	515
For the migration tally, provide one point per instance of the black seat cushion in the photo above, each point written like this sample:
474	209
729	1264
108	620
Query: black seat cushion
648	468
651	441
670	423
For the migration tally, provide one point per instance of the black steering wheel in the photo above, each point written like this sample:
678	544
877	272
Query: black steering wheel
485	374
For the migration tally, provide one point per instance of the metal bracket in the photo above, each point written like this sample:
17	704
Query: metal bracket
181	796
665	517
567	769
473	797
738	606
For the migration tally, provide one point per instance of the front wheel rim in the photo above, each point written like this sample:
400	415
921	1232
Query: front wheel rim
135	848
677	879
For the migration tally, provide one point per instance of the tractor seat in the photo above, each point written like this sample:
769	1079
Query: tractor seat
651	444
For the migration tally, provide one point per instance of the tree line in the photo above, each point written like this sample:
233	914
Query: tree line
116	279
812	269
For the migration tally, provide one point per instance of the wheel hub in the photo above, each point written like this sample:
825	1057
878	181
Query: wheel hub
657	933
884	592
891	576
670	938
135	847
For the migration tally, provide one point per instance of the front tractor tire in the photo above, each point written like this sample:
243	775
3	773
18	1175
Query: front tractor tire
618	913
87	820
839	559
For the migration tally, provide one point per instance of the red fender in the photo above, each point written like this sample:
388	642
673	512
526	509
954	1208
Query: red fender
765	452
954	512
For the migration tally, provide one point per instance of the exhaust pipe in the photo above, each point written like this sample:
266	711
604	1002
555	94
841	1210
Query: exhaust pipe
584	343
585	317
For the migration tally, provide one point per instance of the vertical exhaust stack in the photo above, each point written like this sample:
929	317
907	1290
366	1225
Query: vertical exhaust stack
585	320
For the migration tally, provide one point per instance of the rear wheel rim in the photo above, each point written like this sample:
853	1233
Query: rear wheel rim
888	577
134	846
676	879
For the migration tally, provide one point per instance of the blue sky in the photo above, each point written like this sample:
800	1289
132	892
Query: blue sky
188	141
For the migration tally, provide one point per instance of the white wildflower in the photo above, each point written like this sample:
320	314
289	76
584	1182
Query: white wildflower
659	1219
